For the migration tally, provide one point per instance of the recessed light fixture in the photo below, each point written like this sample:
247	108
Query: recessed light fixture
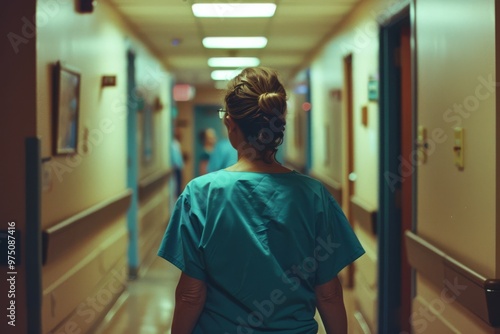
234	42
224	74
233	9
233	62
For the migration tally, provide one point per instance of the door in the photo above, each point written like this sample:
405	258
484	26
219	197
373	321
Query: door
396	174
408	170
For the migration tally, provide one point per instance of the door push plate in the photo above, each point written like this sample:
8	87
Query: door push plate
422	144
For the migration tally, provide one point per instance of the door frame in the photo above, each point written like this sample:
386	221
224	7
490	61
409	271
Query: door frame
308	146
132	168
390	241
348	86
33	238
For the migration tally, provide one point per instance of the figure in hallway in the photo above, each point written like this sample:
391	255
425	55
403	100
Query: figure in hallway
223	155
259	245
208	138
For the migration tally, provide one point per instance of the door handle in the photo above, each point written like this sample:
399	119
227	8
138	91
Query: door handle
353	177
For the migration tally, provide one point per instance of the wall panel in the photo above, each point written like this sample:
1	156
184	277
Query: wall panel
456	208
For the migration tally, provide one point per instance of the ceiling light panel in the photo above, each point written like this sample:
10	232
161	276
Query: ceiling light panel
234	9
234	42
233	62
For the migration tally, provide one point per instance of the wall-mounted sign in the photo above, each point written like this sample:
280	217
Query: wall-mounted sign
108	80
372	89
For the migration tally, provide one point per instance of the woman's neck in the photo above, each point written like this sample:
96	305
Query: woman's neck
257	165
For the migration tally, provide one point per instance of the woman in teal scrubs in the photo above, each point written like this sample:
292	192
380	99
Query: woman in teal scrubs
259	245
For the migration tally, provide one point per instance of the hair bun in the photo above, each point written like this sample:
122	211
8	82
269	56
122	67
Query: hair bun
256	101
271	102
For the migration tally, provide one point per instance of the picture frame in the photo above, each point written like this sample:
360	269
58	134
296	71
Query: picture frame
66	105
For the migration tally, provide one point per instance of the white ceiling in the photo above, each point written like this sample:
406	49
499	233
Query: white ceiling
295	32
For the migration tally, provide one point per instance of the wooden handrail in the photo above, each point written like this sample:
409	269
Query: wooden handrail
365	214
56	238
153	179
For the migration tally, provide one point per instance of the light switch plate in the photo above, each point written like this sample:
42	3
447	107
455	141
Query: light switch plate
458	147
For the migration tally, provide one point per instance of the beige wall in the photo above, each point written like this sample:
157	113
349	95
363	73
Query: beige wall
94	269
94	45
466	199
456	209
357	36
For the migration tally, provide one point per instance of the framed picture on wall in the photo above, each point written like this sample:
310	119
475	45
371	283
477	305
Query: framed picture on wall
66	104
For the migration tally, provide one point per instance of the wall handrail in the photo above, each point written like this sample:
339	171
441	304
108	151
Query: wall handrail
153	182
154	178
365	214
478	294
55	239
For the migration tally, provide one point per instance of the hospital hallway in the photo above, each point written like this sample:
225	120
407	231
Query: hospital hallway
147	306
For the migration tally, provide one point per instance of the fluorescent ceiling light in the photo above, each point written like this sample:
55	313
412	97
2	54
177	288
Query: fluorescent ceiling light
234	9
233	62
234	42
224	74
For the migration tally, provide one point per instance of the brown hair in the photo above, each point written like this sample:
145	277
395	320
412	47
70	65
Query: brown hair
256	101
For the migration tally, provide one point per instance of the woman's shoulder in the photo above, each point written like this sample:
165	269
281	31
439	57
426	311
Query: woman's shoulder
206	180
307	179
224	178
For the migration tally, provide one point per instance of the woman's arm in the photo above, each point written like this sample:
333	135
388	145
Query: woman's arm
330	304
190	298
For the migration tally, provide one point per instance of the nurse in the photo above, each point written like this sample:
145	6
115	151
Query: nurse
259	245
224	154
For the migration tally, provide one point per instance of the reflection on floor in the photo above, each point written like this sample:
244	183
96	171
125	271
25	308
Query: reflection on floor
148	303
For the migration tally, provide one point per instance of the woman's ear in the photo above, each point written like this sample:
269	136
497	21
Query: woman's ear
230	124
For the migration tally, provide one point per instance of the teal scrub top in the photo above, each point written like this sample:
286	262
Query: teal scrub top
261	242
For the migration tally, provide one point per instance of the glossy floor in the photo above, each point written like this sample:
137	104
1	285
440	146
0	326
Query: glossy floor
146	307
